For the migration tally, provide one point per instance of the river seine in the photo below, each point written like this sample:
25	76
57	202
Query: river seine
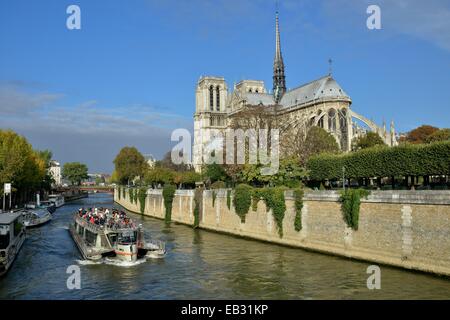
199	265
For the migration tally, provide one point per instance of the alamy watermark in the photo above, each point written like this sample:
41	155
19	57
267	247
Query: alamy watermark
374	280
74	280
230	146
374	20
73	21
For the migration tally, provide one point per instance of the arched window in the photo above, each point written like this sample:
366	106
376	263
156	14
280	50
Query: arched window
211	98
332	120
320	123
256	91
250	90
218	98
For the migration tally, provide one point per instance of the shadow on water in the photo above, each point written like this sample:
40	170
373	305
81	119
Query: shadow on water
199	265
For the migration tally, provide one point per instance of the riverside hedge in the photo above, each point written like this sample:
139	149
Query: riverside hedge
404	160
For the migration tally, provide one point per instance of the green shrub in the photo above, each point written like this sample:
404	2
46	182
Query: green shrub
403	160
298	196
242	200
142	194
350	205
168	195
218	185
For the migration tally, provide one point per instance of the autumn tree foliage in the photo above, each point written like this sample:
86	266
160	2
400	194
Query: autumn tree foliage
420	134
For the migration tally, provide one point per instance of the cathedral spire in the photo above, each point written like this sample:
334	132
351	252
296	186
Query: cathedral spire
279	79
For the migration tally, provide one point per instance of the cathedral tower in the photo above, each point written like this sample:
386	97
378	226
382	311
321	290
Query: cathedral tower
279	79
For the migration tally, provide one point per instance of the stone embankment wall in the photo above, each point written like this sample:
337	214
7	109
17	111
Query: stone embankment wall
409	229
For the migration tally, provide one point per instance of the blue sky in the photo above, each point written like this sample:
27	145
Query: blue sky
128	76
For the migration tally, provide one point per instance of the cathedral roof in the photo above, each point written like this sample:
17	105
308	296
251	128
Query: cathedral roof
259	98
323	88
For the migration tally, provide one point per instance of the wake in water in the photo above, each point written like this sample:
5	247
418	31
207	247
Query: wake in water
113	262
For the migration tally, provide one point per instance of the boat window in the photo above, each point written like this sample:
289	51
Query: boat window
127	237
4	240
91	238
112	239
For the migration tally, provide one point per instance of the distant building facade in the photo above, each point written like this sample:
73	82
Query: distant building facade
55	172
322	102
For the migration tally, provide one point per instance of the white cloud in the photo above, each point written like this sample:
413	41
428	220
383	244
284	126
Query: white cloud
86	132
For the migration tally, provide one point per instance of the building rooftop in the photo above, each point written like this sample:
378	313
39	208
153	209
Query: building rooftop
322	88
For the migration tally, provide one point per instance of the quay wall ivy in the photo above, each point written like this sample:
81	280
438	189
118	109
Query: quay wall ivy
402	228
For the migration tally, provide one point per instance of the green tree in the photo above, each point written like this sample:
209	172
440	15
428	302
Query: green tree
368	140
22	166
158	175
440	135
75	172
318	140
215	172
129	164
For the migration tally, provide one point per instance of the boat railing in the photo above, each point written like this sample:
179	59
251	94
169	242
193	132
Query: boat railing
102	228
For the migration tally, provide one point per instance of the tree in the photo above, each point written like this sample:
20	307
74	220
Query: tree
158	175
420	134
290	174
75	172
129	164
318	140
440	135
215	172
166	162
368	140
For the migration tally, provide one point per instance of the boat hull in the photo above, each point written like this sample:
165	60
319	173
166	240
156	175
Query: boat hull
13	251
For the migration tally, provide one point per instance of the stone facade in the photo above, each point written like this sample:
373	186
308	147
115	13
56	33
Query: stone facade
408	229
321	102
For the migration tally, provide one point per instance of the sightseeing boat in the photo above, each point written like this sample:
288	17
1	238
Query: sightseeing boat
47	205
100	233
36	217
12	236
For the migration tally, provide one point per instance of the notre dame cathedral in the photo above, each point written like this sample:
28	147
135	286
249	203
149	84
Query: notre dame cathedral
321	102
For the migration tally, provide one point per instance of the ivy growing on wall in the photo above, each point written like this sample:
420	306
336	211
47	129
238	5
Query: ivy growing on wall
131	194
229	199
255	199
198	200
124	193
274	199
142	194
214	195
242	200
119	192
298	198
136	195
350	205
168	195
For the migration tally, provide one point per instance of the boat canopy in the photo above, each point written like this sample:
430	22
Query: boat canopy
7	218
